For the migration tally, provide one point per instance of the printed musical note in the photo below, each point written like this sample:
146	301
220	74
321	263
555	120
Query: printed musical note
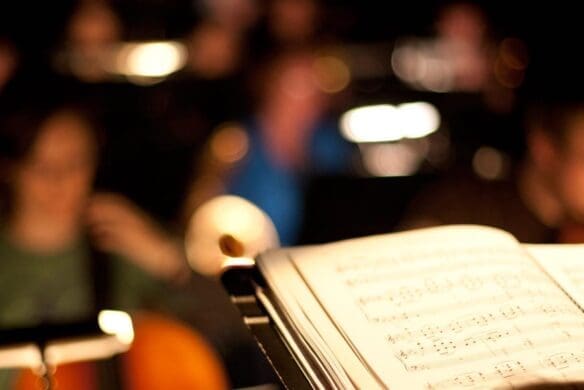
431	331
434	286
469	379
510	312
471	282
509	368
478	315
563	360
444	347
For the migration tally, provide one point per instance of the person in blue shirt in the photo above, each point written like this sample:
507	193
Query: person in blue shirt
288	138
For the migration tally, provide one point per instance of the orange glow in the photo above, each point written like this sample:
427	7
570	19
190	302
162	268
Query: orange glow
229	144
168	354
513	53
507	77
511	62
332	74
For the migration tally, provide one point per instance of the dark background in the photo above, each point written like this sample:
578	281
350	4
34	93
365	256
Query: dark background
154	170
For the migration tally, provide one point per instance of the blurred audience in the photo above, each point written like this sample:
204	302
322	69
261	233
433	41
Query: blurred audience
48	161
480	61
287	138
214	51
48	158
66	251
92	30
463	33
218	43
58	234
290	25
543	201
8	61
477	71
466	55
293	22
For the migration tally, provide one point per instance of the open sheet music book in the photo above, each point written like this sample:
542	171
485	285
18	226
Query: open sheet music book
450	307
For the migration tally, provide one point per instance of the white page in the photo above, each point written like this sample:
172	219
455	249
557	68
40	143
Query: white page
565	263
448	307
309	318
312	377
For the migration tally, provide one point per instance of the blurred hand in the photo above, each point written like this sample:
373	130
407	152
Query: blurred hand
118	226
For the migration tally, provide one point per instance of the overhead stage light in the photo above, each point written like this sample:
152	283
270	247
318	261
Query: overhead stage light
386	123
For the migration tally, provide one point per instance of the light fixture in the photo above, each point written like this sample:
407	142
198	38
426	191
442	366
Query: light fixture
227	229
386	122
147	61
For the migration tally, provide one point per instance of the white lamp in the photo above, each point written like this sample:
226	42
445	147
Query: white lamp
227	229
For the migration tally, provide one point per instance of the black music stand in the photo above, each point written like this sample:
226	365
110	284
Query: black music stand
240	278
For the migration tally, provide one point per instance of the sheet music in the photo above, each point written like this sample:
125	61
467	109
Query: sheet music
565	263
466	309
311	322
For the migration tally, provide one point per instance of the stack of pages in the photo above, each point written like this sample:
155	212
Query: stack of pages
450	307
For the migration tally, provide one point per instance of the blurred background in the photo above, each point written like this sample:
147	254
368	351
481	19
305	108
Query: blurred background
335	118
412	91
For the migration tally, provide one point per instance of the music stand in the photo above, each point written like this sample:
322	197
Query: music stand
45	346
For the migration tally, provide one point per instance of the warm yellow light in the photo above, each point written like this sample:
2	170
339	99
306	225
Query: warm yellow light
385	122
370	124
23	355
222	216
229	144
152	59
116	323
235	262
332	74
418	119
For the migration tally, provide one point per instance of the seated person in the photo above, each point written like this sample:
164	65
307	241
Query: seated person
543	201
48	160
54	233
286	139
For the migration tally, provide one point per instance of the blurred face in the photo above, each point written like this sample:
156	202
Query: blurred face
55	179
292	20
465	22
238	15
214	51
93	26
568	170
293	90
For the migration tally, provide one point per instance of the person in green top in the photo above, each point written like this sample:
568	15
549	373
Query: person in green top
52	225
